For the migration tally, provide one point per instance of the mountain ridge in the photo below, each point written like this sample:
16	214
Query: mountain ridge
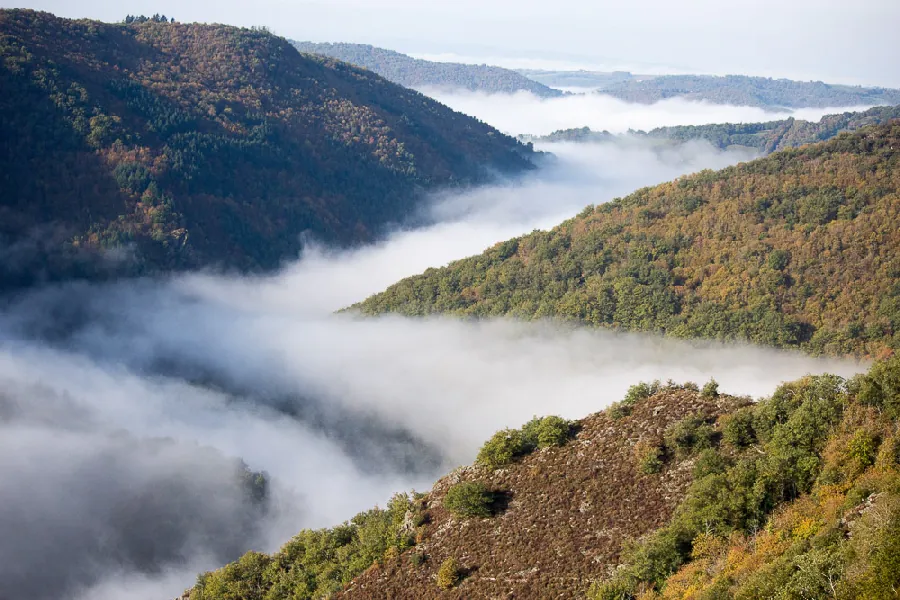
764	137
744	90
770	251
418	73
148	147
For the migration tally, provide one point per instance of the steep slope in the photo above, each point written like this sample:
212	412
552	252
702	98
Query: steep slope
749	91
416	73
798	249
152	146
674	492
762	137
556	517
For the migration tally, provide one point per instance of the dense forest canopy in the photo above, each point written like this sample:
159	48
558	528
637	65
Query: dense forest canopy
417	73
798	249
762	137
151	145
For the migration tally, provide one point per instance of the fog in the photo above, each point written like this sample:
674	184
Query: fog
525	113
127	407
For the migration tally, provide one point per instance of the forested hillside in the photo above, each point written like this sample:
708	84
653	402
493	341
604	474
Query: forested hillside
777	135
152	145
416	73
674	492
762	137
798	249
749	91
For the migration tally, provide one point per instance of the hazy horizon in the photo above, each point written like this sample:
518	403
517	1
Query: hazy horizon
832	41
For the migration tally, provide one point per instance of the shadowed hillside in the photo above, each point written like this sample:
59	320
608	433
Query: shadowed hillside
798	249
154	146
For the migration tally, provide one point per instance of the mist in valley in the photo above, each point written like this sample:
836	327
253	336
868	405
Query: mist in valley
136	417
525	113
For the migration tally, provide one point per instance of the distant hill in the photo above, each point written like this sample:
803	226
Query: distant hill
596	80
777	135
675	492
416	73
762	137
798	249
749	91
152	146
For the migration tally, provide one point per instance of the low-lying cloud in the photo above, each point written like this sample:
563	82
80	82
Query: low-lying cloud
127	408
525	113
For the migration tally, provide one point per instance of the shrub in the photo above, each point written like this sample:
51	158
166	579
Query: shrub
863	448
617	588
449	574
688	435
635	394
417	559
469	499
709	462
737	428
503	447
546	432
619	410
657	556
649	457
641	391
710	389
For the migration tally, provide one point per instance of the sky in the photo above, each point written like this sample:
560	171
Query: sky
829	40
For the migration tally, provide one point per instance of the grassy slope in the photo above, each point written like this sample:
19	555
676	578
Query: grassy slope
798	249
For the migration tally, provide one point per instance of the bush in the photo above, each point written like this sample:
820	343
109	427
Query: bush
649	457
863	448
509	444
709	462
641	391
546	432
737	428
710	389
417	559
617	588
619	410
688	435
469	499
635	394
449	574
503	447
657	556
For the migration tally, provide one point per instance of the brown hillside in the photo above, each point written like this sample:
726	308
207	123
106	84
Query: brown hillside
569	511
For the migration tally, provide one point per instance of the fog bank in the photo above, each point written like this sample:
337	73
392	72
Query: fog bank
127	408
525	113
